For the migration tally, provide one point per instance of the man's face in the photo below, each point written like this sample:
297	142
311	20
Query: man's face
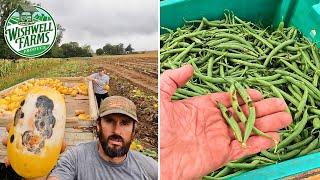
101	72
116	134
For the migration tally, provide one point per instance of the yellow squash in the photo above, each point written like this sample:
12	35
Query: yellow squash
36	136
106	87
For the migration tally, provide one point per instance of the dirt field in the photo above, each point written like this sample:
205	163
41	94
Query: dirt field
130	73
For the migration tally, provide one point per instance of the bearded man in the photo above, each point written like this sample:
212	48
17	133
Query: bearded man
110	157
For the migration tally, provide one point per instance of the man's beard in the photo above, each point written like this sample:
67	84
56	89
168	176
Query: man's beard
113	152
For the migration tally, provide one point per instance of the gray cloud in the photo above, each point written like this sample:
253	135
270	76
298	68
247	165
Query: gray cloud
97	22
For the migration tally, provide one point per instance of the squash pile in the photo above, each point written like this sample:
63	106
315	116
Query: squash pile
11	100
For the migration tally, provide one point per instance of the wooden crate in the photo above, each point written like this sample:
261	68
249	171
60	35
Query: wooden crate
76	131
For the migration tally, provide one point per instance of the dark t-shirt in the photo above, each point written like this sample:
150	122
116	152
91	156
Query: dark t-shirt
83	162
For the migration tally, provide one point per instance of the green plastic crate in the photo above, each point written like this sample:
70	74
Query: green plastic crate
302	14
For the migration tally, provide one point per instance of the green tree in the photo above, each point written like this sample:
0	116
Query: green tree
72	49
99	51
113	49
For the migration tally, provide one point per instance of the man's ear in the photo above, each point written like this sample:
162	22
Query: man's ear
98	124
135	129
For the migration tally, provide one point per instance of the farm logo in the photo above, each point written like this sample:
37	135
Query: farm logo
30	31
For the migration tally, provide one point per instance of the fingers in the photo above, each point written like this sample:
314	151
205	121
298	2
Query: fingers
225	97
255	144
273	122
8	127
170	80
269	123
63	147
6	161
4	140
264	107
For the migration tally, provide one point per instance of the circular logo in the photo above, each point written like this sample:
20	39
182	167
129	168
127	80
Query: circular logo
30	31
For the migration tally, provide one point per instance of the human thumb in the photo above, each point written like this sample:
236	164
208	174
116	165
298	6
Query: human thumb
170	80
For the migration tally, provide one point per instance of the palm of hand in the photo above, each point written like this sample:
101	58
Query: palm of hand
195	138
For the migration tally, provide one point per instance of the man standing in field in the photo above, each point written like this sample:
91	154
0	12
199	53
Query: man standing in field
99	81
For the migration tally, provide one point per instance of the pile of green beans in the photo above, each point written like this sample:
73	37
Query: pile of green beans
279	62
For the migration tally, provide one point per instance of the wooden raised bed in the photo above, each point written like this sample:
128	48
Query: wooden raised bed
76	131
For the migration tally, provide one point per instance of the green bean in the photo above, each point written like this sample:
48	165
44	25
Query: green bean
300	144
187	93
294	57
280	157
237	46
297	131
243	23
250	123
270	78
262	159
235	37
294	93
297	89
315	56
251	165
200	26
243	92
213	87
310	147
233	70
311	100
221	71
180	95
307	59
216	42
182	44
232	55
187	36
279	81
225	171
304	83
315	124
315	111
260	39
247	63
210	64
235	104
295	70
231	121
276	49
315	151
224	64
225	177
315	79
183	53
302	103
196	88
260	50
289	98
216	80
196	40
204	59
220	25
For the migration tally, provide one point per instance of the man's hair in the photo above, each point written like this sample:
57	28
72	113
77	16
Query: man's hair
99	69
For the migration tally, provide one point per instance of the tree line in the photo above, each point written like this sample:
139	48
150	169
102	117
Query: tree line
117	49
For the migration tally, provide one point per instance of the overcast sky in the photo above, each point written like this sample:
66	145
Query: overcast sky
97	22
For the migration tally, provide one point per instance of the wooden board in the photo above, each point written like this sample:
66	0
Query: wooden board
76	131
